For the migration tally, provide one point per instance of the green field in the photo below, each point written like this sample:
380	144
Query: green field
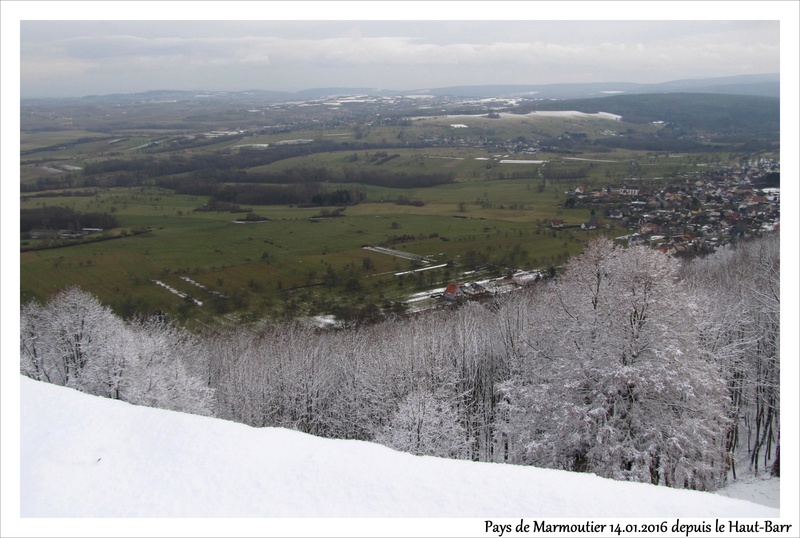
256	263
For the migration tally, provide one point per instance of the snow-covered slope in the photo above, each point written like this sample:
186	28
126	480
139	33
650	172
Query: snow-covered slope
89	457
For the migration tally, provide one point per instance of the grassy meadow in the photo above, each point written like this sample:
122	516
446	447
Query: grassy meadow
258	263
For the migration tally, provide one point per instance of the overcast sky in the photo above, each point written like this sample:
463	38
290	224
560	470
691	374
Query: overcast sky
82	57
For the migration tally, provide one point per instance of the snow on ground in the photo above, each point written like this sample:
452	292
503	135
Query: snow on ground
535	114
83	456
762	490
589	160
569	114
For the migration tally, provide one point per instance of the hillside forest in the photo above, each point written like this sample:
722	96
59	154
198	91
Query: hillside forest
629	364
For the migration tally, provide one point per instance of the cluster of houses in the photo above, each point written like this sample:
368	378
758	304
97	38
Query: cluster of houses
38	233
519	145
693	216
477	290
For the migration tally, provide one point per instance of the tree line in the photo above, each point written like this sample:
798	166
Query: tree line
232	161
63	218
224	178
180	164
630	364
305	194
201	181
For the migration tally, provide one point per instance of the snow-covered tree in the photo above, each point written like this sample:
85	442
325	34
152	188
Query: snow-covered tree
75	341
477	359
742	283
363	375
615	380
425	424
72	340
166	366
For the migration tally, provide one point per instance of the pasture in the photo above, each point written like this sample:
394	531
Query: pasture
258	264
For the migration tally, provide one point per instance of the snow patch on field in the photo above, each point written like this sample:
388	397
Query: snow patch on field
178	292
571	114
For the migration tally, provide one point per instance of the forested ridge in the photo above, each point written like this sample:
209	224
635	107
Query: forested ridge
631	365
752	115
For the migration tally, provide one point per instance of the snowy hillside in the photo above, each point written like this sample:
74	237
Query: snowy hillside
88	457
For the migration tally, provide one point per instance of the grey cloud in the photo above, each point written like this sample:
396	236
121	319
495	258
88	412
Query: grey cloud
401	54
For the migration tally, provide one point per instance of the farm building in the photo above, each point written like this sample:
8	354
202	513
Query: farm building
473	290
522	278
591	224
452	292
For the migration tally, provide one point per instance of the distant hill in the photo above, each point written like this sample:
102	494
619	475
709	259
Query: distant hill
764	85
735	115
767	85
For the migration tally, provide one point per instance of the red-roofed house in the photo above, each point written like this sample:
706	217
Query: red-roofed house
452	292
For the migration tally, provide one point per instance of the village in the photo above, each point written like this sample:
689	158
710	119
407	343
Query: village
694	215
